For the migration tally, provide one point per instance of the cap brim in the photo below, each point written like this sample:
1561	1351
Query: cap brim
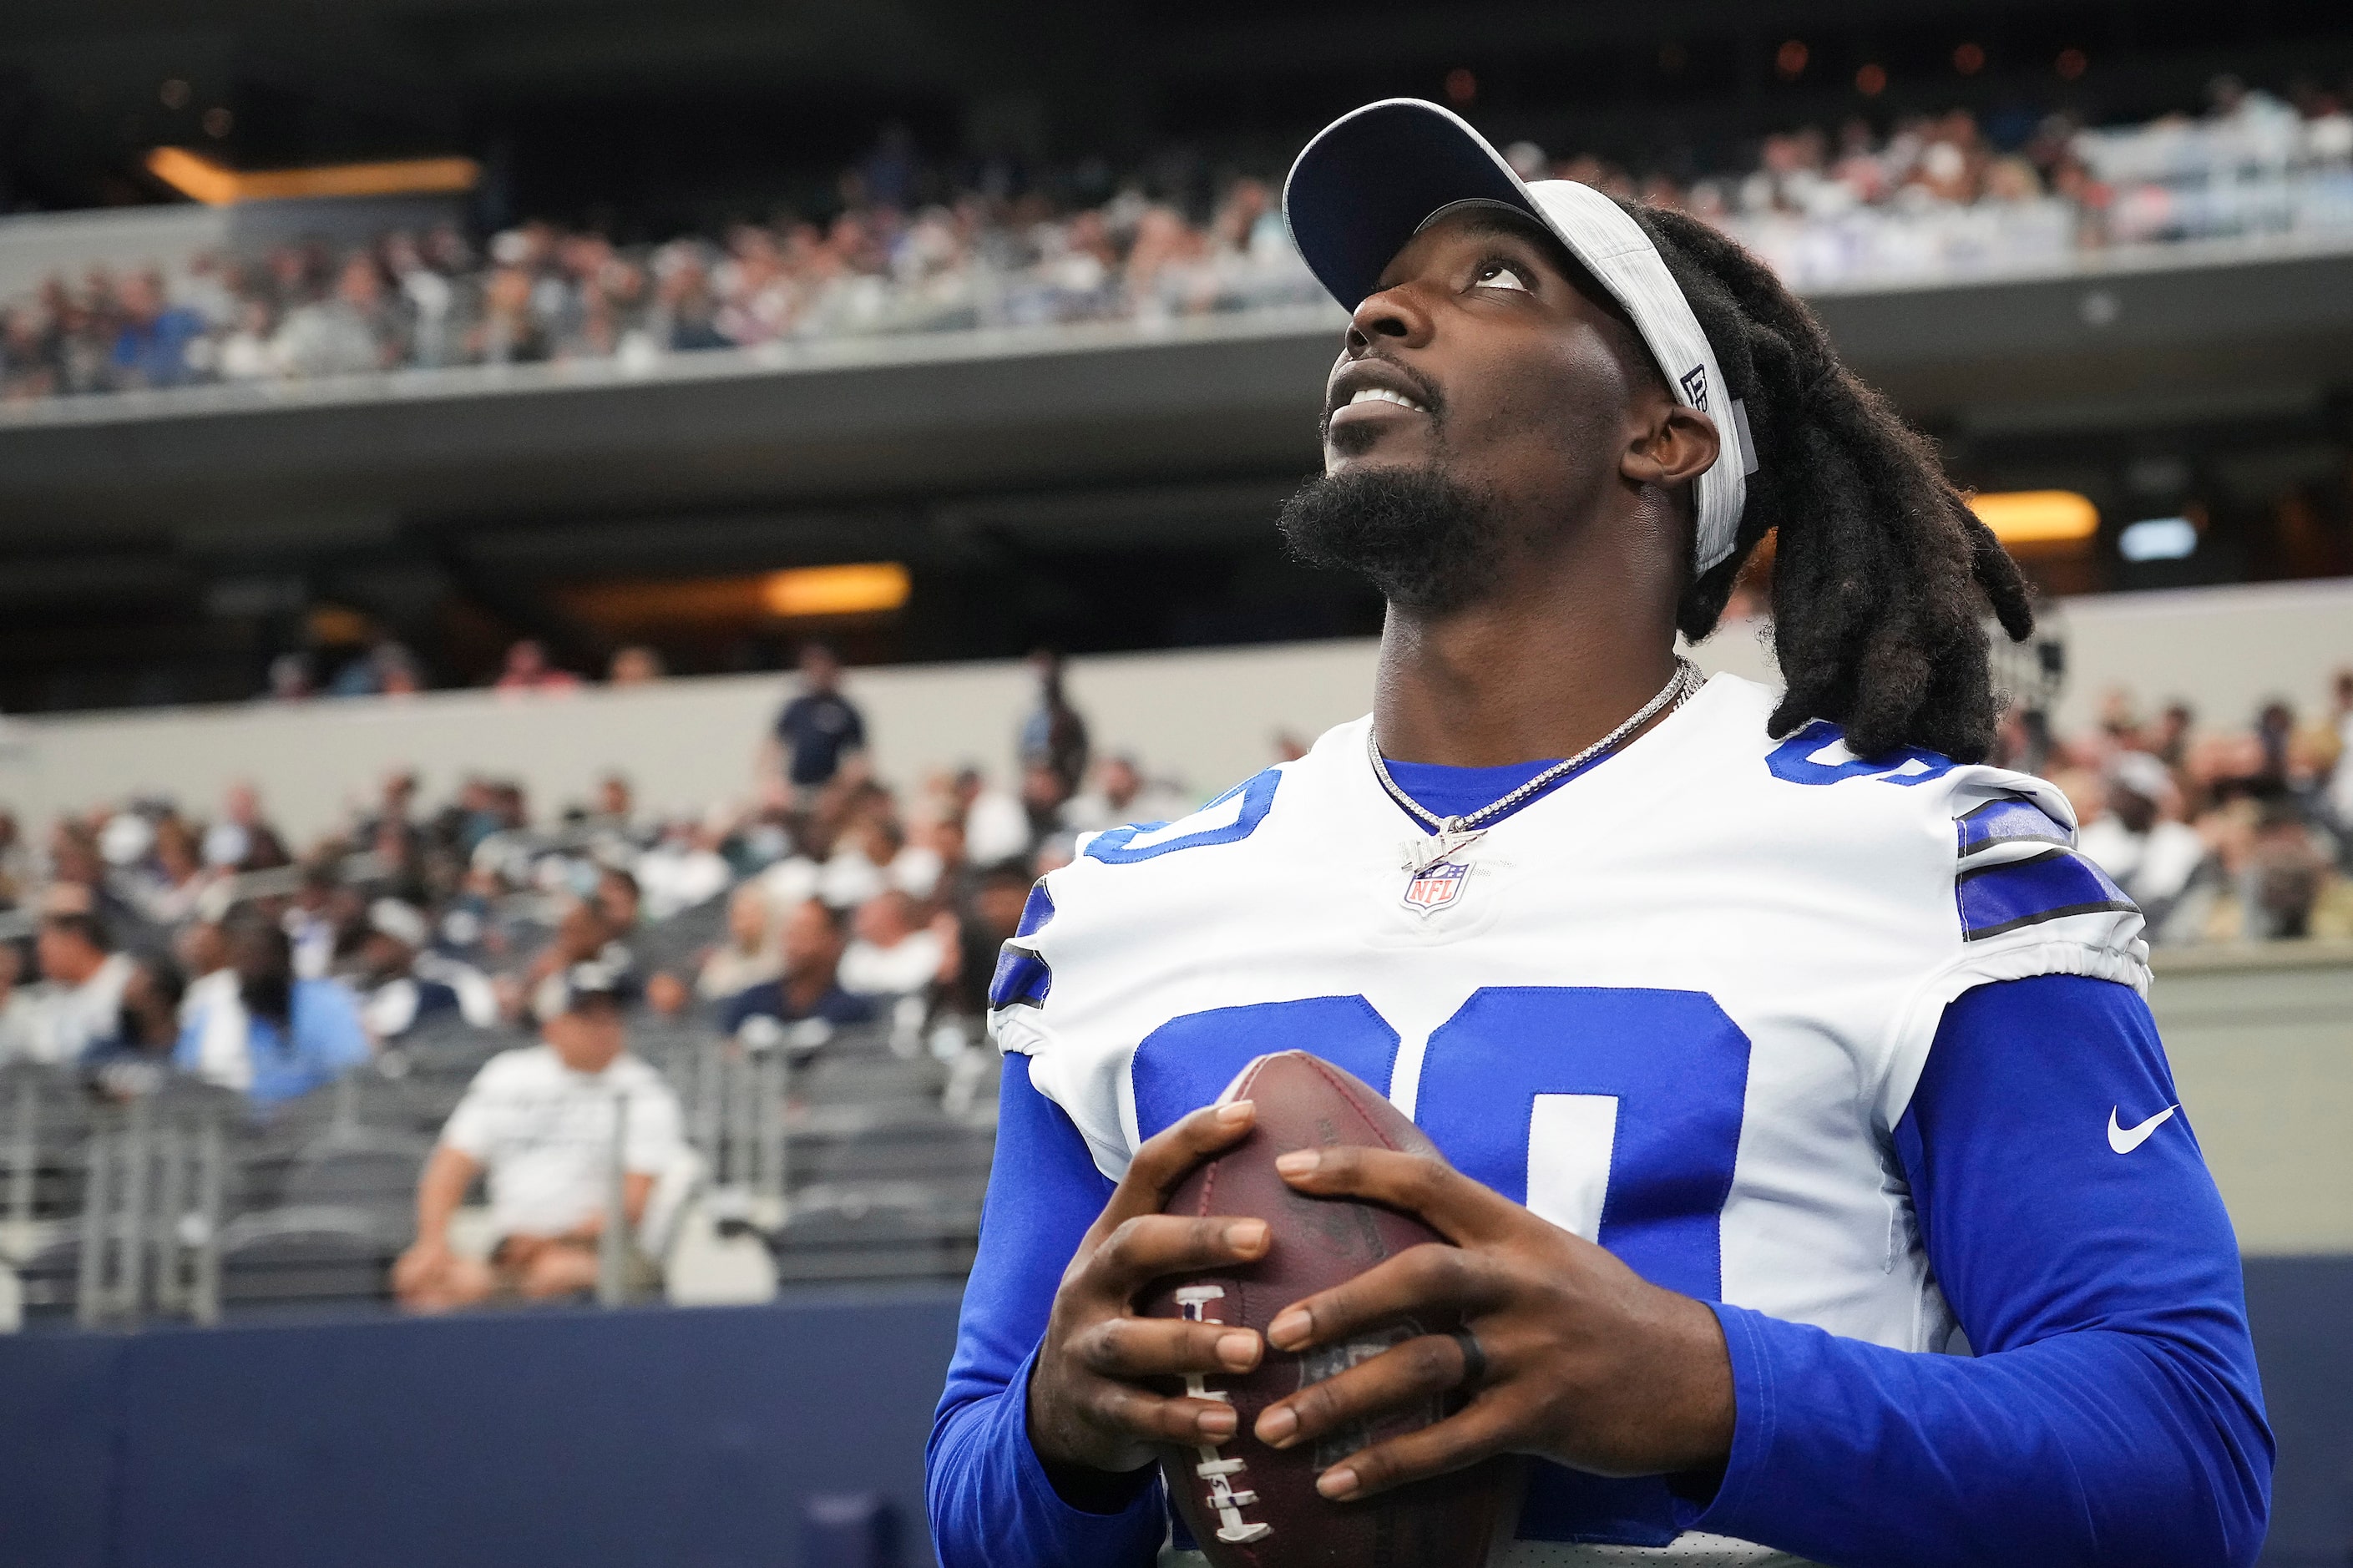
1369	182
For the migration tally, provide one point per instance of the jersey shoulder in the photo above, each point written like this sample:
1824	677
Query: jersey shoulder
1996	845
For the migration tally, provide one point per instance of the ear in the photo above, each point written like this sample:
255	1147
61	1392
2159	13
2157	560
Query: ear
1673	446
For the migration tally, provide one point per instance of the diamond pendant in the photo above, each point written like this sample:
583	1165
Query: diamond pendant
1417	855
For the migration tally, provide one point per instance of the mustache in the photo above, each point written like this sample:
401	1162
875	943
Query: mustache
1425	392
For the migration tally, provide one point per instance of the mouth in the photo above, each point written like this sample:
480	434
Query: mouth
1377	390
1381	394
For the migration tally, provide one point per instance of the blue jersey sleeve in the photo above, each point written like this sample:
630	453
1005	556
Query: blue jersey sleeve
992	1505
2111	1414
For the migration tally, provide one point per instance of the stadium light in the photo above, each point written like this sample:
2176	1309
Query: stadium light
2158	539
217	185
867	589
2037	517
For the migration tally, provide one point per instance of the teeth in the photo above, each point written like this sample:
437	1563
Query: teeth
1383	394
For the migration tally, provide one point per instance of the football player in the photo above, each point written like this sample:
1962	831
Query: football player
1820	1189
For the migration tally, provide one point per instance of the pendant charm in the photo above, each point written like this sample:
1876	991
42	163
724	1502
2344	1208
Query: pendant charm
1436	885
1419	855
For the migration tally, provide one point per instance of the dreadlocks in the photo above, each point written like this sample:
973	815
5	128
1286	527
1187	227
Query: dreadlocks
1878	564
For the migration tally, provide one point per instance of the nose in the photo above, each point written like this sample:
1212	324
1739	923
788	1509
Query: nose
1395	314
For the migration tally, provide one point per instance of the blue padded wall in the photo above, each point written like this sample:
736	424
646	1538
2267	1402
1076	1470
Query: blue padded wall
664	1439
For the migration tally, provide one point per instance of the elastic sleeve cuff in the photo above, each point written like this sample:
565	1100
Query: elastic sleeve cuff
1069	1522
1748	1342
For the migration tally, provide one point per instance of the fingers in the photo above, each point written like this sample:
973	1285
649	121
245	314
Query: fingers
1458	1208
1404	1374
1148	1245
1162	1347
1481	1430
1142	1416
1165	1160
1430	1283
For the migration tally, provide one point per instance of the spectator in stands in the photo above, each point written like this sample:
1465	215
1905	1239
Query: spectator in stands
2339	797
1043	796
135	1057
2284	874
290	680
996	826
683	869
403	983
249	350
864	856
619	901
894	951
80	999
351	332
174	877
818	729
1053	735
751	954
635	665
581	936
17	1005
539	1124
527	670
272	1036
984	922
809	986
1120	796
2140	840
153	337
241	840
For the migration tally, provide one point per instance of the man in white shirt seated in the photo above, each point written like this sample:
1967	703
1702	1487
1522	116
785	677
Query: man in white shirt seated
539	1120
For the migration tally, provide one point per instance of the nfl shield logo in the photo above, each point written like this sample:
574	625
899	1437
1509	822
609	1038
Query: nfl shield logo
1436	886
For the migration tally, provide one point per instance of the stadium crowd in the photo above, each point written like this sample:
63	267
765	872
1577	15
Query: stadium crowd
148	939
147	942
1932	196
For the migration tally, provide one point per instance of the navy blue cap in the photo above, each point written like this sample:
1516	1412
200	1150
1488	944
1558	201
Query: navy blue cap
1370	181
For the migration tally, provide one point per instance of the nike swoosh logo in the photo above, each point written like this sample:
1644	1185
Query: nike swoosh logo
2125	1140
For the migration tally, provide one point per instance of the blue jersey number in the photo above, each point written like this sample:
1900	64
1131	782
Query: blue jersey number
1613	1113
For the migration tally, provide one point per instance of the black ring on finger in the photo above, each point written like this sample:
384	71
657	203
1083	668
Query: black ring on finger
1474	1360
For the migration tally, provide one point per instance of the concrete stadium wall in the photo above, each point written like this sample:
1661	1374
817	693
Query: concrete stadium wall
2262	1045
1207	717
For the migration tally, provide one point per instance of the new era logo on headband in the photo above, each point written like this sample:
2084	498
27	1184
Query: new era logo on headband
1695	382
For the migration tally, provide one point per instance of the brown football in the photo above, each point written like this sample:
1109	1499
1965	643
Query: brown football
1249	1506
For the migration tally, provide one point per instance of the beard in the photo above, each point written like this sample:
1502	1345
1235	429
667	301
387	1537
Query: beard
1429	544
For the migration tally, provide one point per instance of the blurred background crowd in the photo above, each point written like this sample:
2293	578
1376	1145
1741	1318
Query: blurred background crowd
1921	198
823	892
820	893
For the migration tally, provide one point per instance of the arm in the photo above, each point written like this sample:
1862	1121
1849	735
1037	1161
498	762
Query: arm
1047	1363
447	1173
992	1505
2112	1414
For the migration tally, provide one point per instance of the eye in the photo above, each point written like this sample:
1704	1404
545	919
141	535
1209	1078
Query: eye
1497	273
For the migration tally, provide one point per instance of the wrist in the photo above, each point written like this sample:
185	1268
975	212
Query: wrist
1080	1485
1701	1409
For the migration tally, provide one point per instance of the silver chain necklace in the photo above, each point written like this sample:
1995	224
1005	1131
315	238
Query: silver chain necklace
1448	834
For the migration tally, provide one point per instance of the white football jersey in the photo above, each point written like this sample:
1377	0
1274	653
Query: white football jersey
1677	1005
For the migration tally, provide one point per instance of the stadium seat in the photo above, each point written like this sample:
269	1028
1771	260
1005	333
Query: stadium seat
309	1255
896	1231
358	1167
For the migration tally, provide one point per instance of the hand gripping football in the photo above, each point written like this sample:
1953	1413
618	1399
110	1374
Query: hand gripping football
1251	1506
